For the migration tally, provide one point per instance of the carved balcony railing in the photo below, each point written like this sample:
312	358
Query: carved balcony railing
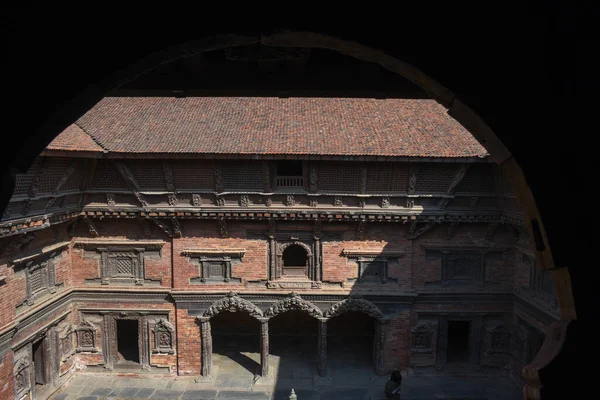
289	181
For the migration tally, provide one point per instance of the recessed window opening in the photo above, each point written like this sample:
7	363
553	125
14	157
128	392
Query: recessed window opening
294	256
289	174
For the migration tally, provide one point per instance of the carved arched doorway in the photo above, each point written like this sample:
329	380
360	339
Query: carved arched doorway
294	261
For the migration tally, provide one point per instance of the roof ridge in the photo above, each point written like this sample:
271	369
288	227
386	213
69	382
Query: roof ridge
91	136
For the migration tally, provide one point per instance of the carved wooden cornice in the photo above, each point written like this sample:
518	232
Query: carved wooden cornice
94	243
44	251
464	247
234	253
356	253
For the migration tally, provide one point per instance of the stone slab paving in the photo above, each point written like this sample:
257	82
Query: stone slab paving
234	381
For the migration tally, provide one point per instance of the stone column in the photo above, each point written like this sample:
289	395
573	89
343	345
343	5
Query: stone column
378	357
317	267
264	347
206	344
272	260
322	346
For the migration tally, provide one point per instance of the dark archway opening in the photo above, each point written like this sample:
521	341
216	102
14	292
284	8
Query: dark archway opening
350	340
458	341
293	344
127	341
236	341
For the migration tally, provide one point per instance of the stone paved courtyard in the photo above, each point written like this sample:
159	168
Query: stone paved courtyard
233	379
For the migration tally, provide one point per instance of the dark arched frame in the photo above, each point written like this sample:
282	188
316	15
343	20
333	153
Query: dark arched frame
77	105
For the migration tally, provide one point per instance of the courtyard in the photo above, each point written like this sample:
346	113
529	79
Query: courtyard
233	378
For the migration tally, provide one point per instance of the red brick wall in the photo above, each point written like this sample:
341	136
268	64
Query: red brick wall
397	345
206	235
14	289
7	390
188	344
125	229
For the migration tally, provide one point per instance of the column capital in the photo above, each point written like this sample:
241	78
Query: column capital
203	319
323	319
263	320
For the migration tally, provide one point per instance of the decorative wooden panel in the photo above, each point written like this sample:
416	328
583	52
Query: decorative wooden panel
194	174
435	178
478	179
387	178
339	177
106	176
243	175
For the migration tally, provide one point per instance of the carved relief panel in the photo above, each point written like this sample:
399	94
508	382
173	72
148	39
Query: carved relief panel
86	337
65	337
164	337
423	343
497	339
22	377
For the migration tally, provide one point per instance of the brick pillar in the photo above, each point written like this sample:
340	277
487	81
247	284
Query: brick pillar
322	346
206	339
379	345
264	347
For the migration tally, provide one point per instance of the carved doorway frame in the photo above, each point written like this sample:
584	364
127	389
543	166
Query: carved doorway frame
111	355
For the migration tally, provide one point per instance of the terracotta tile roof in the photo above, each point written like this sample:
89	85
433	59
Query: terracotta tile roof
263	125
74	139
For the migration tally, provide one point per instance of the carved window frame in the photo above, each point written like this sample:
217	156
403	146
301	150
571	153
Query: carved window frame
492	332
107	251
282	245
81	330
160	327
205	257
46	268
363	258
422	330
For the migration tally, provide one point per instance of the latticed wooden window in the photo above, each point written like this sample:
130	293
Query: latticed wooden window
339	177
435	178
124	266
37	280
215	269
76	179
194	174
54	171
106	176
23	181
243	175
478	179
463	266
149	174
387	178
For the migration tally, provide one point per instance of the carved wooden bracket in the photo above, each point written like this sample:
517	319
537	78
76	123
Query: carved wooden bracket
91	226
165	228
414	233
64	178
131	182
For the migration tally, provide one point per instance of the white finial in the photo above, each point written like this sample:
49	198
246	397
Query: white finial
293	395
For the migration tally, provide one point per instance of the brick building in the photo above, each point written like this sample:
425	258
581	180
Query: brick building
157	231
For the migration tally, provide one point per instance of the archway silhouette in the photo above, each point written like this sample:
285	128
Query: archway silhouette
458	109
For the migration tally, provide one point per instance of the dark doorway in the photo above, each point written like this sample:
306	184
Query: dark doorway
350	340
236	337
295	261
293	343
458	341
38	350
127	341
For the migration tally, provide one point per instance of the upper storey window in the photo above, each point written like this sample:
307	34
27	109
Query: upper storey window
290	174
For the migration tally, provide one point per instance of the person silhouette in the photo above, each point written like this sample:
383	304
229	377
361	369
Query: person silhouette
392	386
